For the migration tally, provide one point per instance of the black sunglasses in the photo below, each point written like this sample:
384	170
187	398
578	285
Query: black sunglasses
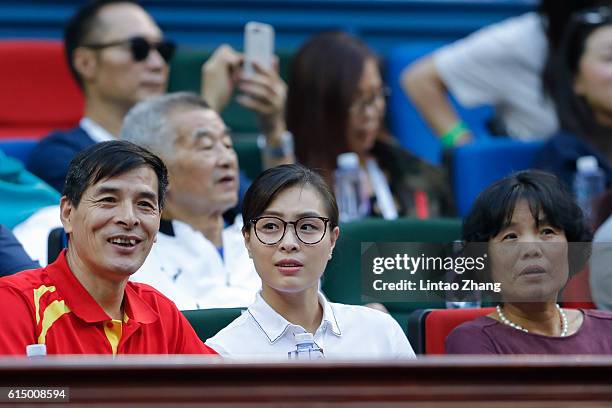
140	47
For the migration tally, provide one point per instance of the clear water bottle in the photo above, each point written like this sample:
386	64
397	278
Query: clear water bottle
36	350
451	304
589	183
305	348
460	299
352	200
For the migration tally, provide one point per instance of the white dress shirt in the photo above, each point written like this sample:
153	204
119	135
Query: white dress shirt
186	267
346	332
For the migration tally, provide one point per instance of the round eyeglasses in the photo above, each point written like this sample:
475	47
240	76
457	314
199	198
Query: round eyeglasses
271	230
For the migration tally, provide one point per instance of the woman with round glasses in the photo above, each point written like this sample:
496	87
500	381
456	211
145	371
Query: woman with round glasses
581	86
290	230
336	100
534	237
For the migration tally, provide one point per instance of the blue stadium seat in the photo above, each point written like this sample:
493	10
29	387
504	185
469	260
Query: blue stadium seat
17	148
477	165
406	122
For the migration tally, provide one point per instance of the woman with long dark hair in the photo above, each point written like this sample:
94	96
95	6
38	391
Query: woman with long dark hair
336	104
580	82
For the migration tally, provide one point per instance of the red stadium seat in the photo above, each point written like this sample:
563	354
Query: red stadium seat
38	93
577	292
439	323
428	328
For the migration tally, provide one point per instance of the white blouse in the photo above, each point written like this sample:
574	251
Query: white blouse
346	332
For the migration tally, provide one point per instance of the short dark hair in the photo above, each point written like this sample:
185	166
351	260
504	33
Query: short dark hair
273	181
110	159
544	192
323	80
79	28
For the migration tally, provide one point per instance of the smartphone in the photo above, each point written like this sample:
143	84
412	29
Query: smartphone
258	46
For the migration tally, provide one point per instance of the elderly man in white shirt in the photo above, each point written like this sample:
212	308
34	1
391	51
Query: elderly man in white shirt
197	262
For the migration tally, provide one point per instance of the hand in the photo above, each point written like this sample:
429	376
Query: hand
220	74
265	93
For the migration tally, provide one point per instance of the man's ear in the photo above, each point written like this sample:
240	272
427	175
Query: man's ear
85	63
66	212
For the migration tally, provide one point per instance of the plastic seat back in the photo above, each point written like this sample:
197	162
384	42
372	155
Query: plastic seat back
38	92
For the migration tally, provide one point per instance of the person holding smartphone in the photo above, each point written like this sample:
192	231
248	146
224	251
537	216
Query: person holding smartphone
336	99
255	75
119	56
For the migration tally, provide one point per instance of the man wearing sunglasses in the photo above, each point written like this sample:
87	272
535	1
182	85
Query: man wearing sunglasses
119	57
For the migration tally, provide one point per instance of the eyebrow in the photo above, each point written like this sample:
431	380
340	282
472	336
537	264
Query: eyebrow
106	190
113	190
208	132
299	215
539	221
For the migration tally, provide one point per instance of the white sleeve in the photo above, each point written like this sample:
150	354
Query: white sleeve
153	273
33	233
481	68
400	346
235	340
217	346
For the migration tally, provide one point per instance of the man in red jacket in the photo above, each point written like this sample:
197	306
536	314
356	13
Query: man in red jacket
83	303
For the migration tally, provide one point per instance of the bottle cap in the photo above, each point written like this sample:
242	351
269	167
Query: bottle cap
36	350
586	164
302	338
348	160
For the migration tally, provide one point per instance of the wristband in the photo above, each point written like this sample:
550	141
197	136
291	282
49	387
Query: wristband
449	139
284	149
